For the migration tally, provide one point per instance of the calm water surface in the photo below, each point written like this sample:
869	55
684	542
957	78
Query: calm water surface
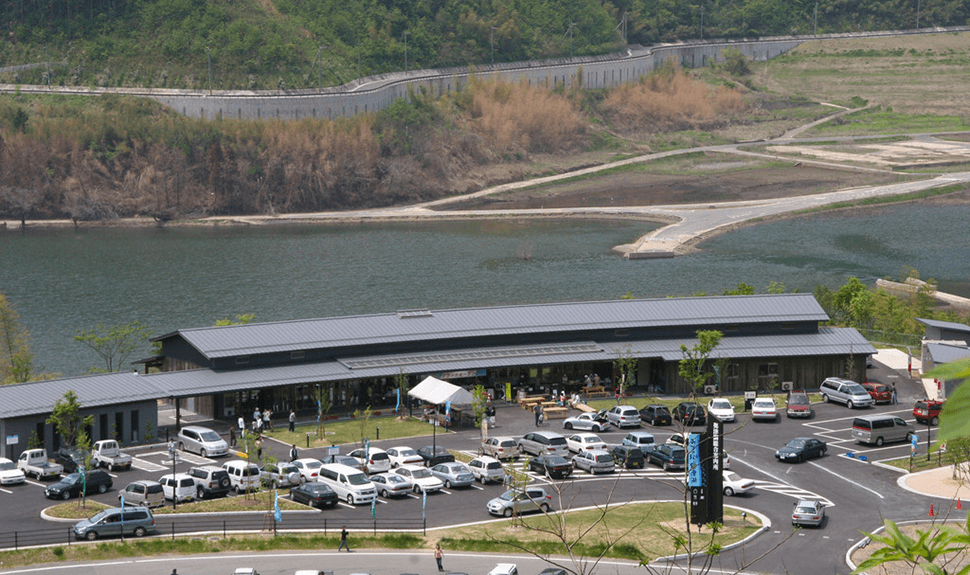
61	281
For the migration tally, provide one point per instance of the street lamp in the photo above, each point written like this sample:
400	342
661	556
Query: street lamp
569	31
917	15
491	42
815	21
406	53
208	57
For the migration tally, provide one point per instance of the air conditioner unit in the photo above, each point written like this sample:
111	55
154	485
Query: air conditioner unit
786	385
710	389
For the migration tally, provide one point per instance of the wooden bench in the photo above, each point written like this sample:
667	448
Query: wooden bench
596	391
530	402
584	408
554	413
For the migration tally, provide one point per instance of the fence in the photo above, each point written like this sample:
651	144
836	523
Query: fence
892	338
173	526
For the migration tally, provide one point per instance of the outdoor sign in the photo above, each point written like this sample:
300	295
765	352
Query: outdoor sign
704	468
13	439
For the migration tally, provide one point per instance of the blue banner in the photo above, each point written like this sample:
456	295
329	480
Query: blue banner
373	508
398	406
277	514
695	475
424	499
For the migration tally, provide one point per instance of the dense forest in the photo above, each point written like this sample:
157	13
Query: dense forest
272	44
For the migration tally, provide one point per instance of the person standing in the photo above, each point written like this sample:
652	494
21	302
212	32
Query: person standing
343	539
538	410
232	436
437	556
292	421
895	400
256	413
267	422
242	426
294	453
259	449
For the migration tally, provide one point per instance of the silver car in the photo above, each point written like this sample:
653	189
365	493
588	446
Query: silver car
808	512
202	440
516	501
501	447
279	475
391	484
594	461
453	474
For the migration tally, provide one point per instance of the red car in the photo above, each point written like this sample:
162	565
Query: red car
879	392
928	410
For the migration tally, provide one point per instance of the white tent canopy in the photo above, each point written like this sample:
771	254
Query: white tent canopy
439	392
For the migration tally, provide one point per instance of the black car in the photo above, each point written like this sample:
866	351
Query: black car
93	481
690	414
314	494
434	455
70	459
801	448
656	415
627	456
552	466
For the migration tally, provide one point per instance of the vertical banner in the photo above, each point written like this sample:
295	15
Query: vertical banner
715	477
508	391
696	480
373	508
424	500
277	514
398	406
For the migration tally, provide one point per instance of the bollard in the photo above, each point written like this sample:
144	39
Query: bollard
931	511
378	432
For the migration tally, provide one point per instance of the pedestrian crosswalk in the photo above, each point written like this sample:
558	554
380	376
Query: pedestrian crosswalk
159	461
791	491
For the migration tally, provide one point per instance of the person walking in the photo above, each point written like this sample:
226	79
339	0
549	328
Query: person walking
437	556
292	421
538	410
242	426
232	436
895	399
259	449
294	453
343	539
267	422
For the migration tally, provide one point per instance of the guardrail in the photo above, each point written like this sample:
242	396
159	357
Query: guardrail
182	526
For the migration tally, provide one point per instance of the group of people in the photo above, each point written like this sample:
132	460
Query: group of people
344	545
261	420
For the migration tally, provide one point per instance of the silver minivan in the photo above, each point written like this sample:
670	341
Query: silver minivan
144	492
879	429
845	391
137	521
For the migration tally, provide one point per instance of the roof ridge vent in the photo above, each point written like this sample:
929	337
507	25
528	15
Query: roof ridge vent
409	313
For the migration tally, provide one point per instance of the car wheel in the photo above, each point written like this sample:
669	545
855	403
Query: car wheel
91	535
224	482
384	493
416	489
350	499
203	453
181	447
483	479
102	488
139	531
728	491
544	507
66	495
825	398
507	512
935	420
822	452
849	404
447	484
568	426
666	466
879	442
200	492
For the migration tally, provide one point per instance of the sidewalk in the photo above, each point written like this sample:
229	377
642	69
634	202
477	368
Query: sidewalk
937	482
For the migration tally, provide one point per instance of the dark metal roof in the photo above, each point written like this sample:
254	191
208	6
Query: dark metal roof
944	353
439	325
952	326
38	397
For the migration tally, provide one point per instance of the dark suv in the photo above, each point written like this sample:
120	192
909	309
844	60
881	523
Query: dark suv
70	459
656	415
210	481
94	481
627	456
690	414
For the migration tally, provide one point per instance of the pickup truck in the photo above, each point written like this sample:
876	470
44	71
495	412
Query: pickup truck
107	453
35	462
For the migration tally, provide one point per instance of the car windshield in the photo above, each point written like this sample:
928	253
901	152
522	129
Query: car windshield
731	476
72	478
406	452
421	474
603	458
556	461
395	478
312	464
98	517
357	479
7	465
798	400
856	389
721	404
288	469
805	509
796	443
509	495
210	436
764	403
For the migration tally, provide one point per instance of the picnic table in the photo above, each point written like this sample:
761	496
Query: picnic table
554	412
531	401
596	391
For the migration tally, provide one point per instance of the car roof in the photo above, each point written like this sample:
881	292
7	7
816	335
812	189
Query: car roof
486	458
195	428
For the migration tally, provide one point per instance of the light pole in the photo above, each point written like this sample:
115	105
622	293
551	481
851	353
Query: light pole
358	61
491	42
815	21
702	22
406	53
208	57
917	15
569	31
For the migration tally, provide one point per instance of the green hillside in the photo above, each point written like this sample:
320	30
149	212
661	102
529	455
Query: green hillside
269	44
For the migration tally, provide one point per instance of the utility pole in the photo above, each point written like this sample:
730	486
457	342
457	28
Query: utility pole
917	15
815	21
702	21
569	31
208	57
358	61
406	53
47	52
622	28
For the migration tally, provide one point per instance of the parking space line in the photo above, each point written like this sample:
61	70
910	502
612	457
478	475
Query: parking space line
477	487
445	491
5	490
876	493
35	483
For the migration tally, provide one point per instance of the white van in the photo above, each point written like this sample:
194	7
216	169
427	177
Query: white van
350	484
243	475
178	487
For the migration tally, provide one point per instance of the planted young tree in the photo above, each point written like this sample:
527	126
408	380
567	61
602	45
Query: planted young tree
479	405
401	381
323	408
114	344
66	418
624	368
695	358
362	418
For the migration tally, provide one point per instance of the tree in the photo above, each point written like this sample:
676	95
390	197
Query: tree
624	367
928	551
240	320
67	421
692	365
16	360
362	417
480	403
735	62
955	419
113	343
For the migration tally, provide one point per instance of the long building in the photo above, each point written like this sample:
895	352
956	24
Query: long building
768	340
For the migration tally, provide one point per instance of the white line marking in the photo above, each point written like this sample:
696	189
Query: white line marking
876	493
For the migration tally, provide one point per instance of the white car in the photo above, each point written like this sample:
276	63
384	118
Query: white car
10	474
764	408
585	442
734	484
178	486
309	469
403	456
421	478
587	421
377	460
720	409
202	440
